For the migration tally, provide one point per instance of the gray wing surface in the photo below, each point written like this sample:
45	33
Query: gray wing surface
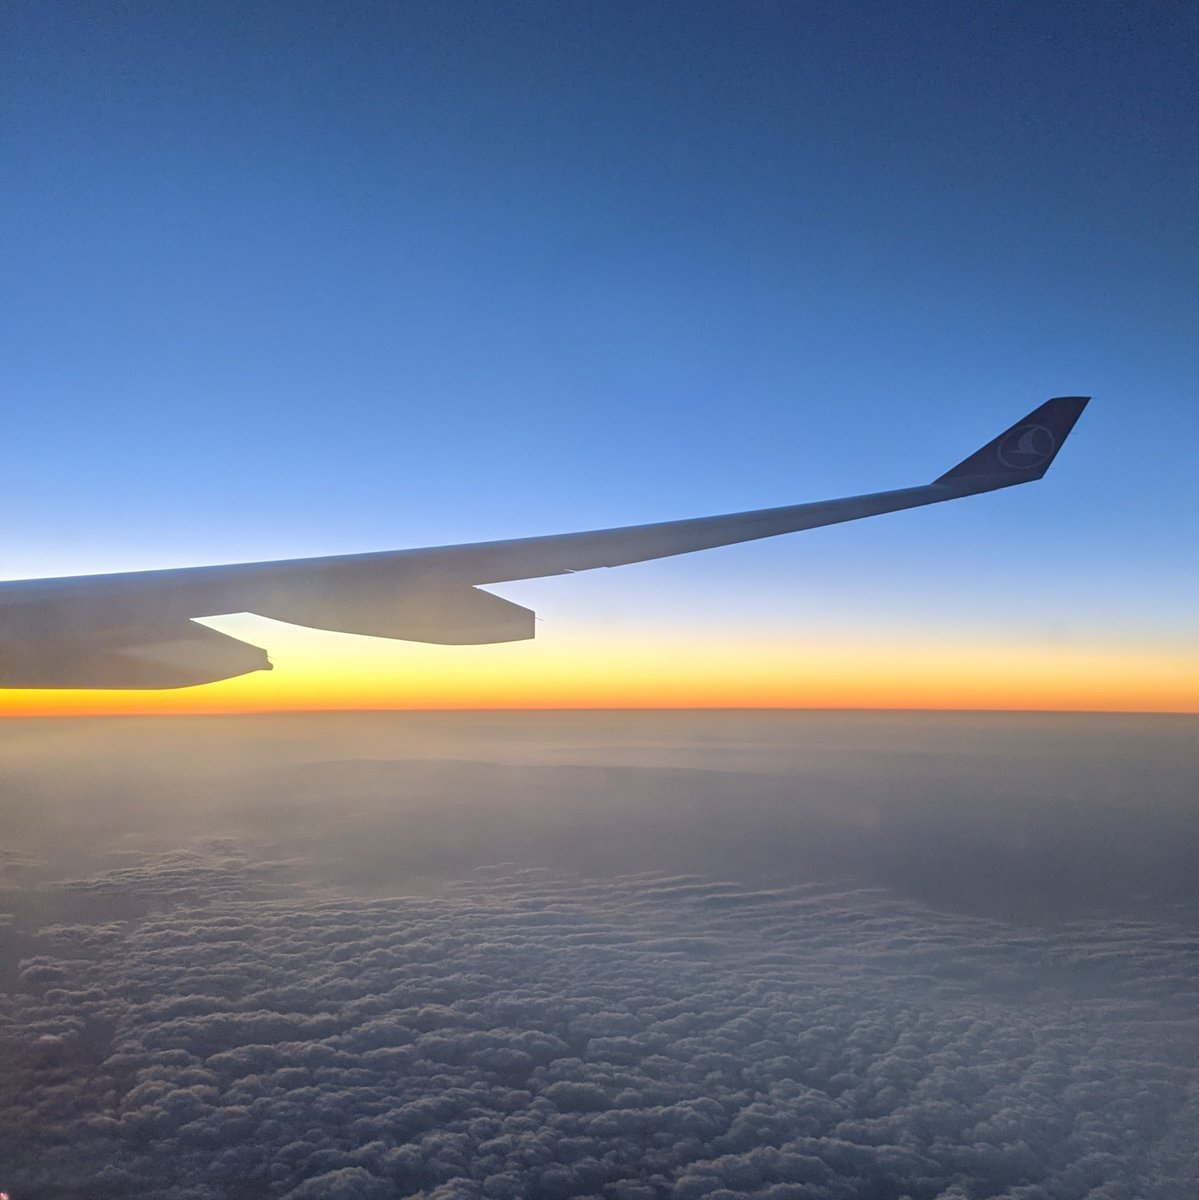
136	629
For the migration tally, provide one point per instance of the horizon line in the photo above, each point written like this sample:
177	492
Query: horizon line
607	708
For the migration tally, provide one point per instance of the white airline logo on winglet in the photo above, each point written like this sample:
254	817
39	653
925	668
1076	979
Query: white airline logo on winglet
1026	447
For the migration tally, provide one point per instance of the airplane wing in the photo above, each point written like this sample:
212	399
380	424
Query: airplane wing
136	629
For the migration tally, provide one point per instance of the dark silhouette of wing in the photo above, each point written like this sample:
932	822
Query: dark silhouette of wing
428	595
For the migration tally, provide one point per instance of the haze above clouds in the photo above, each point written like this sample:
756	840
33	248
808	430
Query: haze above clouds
619	955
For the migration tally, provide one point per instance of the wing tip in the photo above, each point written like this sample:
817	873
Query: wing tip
1024	451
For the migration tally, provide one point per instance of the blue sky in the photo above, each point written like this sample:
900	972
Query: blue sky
292	279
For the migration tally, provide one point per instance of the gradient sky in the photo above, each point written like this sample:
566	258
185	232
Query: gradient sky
299	279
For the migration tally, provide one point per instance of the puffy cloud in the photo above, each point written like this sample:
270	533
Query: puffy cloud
524	1034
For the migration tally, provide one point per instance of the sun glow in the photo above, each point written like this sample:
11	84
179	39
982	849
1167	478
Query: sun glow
322	671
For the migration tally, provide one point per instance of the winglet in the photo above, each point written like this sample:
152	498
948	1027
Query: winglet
1023	452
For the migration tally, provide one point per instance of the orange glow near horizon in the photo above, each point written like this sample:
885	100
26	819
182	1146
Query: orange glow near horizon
317	671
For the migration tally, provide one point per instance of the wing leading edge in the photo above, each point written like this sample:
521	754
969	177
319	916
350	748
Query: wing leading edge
116	624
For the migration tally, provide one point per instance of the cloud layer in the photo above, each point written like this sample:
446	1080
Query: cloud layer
202	1030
